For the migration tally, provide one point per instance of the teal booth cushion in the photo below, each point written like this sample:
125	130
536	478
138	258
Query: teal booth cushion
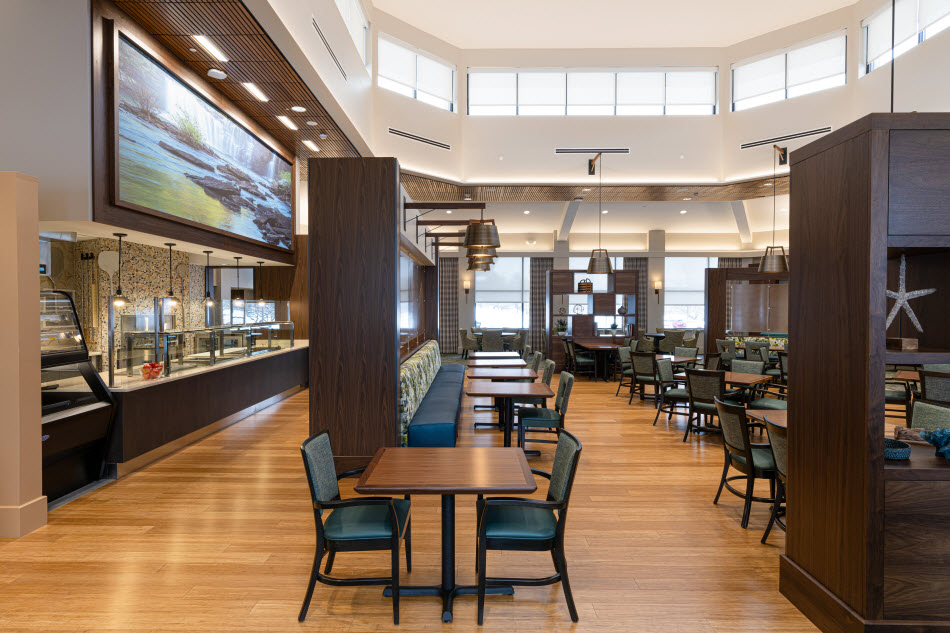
365	522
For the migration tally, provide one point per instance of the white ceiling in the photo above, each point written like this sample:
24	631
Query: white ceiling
601	23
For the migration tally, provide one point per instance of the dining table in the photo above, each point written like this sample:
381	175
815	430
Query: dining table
501	373
739	379
505	393
906	375
496	362
601	353
494	355
776	417
448	472
503	334
678	360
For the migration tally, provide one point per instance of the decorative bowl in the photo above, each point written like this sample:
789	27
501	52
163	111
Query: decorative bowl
895	449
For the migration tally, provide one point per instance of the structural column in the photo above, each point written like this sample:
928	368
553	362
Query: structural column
22	504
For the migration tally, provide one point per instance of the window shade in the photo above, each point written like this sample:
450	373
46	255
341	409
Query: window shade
758	78
435	79
541	88
691	88
590	89
879	28
932	10
493	89
642	88
817	61
397	63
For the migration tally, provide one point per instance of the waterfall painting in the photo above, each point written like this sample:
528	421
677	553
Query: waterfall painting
178	154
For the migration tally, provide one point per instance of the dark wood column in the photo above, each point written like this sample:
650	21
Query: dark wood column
354	334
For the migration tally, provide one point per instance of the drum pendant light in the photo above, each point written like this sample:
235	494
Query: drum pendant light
237	295
119	300
209	302
774	261
481	234
599	263
482	252
260	295
477	266
171	298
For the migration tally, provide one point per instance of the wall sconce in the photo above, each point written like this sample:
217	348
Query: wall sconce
467	286
657	287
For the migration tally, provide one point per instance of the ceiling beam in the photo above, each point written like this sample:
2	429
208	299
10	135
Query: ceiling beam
443	222
568	213
450	234
742	221
449	244
445	205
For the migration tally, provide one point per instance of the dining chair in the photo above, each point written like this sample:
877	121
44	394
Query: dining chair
673	339
530	525
778	442
354	525
645	345
543	420
526	352
935	386
644	373
757	350
779	373
704	387
469	343
691	352
581	362
727	351
568	360
930	415
534	361
754	461
492	341
671	394
626	369
547	372
712	361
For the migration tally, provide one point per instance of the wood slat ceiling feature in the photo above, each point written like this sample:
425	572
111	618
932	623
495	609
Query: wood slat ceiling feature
252	57
424	188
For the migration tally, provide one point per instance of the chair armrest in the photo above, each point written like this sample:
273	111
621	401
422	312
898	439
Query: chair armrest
350	503
350	473
523	503
777	394
542	473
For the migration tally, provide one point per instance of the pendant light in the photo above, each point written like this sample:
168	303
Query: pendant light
237	295
482	251
260	275
119	300
209	302
171	298
477	266
599	263
773	261
481	233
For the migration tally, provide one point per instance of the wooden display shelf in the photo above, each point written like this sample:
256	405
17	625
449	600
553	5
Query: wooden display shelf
917	356
923	465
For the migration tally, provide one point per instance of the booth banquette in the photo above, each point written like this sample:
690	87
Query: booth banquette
430	398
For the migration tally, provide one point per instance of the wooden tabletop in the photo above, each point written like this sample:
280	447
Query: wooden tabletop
455	470
484	389
494	373
906	376
779	418
677	359
738	379
497	362
654	335
476	355
503	334
597	347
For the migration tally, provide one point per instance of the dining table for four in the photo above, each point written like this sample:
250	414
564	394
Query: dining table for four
505	380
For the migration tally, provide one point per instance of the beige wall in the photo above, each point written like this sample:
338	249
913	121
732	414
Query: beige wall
22	504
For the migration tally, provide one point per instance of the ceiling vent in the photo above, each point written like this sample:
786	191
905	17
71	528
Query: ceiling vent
592	150
420	139
326	43
787	137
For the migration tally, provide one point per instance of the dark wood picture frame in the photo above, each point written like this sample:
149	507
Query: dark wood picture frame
108	24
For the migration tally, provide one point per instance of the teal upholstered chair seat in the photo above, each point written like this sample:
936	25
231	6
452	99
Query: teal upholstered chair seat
674	394
895	394
518	522
705	407
539	417
761	457
627	372
365	522
582	359
773	372
773	404
646	377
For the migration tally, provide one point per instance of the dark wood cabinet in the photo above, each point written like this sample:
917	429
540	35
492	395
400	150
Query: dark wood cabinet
866	548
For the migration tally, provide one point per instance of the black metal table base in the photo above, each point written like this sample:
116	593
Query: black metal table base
448	595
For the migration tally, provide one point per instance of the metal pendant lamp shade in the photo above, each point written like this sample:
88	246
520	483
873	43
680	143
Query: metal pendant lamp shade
774	260
171	298
599	262
481	234
478	265
119	300
482	252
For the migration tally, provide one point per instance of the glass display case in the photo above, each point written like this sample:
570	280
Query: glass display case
77	408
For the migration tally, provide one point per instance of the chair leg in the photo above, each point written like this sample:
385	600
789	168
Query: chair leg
314	572
329	566
408	543
481	562
633	390
689	425
776	508
722	481
658	410
561	565
619	385
747	507
395	581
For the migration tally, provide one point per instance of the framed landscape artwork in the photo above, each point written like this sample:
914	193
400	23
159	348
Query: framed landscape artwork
176	154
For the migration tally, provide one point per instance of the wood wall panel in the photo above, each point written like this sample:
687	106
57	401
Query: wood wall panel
354	282
291	283
919	190
716	289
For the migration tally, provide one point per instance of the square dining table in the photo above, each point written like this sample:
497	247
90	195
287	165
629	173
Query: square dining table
505	393
739	379
447	472
494	355
678	360
777	417
501	373
602	352
497	362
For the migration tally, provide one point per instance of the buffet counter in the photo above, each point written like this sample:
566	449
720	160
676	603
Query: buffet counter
160	415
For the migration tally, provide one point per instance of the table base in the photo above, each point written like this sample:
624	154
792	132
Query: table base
448	595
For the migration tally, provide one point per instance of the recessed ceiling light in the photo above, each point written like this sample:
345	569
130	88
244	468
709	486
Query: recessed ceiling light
323	136
254	90
209	46
468	196
286	121
214	73
682	156
605	211
192	50
531	242
448	211
683	212
298	108
527	211
766	184
311	145
311	123
501	157
687	198
586	190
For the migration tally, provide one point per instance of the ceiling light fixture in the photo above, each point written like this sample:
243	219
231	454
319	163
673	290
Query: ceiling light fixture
481	252
599	258
323	136
260	294
448	211
481	233
171	298
531	242
772	261
254	90
311	145
237	294
683	212
605	211
527	212
766	184
286	121
687	199
119	300
312	123
209	46
298	108
209	302
586	190
214	73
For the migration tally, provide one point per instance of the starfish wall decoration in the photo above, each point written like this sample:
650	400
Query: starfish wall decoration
902	297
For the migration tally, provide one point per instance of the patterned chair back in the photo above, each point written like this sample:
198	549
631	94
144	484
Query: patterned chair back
644	345
935	386
757	350
535	361
783	366
735	429
624	353
526	352
566	456
778	438
626	341
643	363
712	361
664	369
705	385
492	341
672	339
564	386
726	347
547	371
321	473
568	350
930	415
691	352
748	366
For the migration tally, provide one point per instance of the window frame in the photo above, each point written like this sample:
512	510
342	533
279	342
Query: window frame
417	53
783	52
364	49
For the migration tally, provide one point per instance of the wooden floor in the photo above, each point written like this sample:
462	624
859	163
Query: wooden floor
219	537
